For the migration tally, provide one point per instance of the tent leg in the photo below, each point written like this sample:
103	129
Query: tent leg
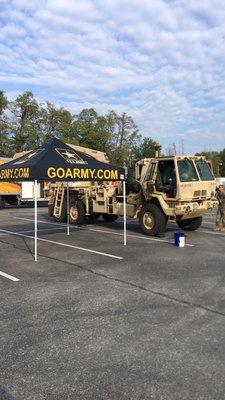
35	220
68	209
124	215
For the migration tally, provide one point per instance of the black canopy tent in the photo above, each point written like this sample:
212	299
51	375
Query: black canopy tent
56	161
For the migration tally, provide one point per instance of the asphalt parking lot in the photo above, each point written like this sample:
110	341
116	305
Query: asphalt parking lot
97	320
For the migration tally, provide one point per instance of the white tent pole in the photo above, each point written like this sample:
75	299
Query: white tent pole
35	220
68	209
124	215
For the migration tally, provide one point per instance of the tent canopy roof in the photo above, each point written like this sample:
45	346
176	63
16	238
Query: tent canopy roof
55	161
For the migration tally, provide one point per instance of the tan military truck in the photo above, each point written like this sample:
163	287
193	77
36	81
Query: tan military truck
159	189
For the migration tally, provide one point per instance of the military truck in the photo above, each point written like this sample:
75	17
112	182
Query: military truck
160	189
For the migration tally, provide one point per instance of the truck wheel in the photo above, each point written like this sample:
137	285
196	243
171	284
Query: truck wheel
190	224
109	217
77	212
152	220
63	215
2	202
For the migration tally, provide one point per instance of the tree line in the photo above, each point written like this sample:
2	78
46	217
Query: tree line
26	124
217	159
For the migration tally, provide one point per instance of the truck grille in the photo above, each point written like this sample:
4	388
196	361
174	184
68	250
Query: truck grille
200	193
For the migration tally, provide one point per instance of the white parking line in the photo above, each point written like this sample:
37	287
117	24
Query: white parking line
42	222
211	233
112	233
12	278
43	230
137	237
32	231
63	244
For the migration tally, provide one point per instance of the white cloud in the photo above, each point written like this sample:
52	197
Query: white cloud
162	62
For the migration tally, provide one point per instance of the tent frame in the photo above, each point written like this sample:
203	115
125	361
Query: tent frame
68	217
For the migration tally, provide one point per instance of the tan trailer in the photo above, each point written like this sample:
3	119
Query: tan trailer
160	189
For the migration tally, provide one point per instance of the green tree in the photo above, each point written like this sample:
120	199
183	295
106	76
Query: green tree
145	149
214	157
58	122
124	135
92	130
4	126
26	123
221	167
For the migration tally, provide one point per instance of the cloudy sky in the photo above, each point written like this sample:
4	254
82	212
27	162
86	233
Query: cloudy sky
161	61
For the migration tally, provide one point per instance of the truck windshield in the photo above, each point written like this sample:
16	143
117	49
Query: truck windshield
187	171
204	170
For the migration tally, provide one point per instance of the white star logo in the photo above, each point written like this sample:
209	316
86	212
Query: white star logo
71	156
67	154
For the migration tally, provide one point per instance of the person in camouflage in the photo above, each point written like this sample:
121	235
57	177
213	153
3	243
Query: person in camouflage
220	216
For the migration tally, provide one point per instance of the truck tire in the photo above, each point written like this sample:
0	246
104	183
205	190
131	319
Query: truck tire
12	200
2	202
77	212
152	220
109	217
63	215
190	224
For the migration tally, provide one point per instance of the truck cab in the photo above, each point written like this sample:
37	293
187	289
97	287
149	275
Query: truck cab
182	187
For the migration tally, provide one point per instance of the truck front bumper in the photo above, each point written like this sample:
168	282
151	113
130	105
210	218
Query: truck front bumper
195	209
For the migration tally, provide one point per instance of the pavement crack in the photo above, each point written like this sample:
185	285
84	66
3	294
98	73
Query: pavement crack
123	281
166	296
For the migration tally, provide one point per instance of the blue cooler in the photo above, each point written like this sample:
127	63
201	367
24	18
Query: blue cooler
179	238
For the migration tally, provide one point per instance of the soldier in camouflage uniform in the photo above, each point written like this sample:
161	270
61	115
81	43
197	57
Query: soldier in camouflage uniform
220	216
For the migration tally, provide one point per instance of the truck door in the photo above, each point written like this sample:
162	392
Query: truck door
150	180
